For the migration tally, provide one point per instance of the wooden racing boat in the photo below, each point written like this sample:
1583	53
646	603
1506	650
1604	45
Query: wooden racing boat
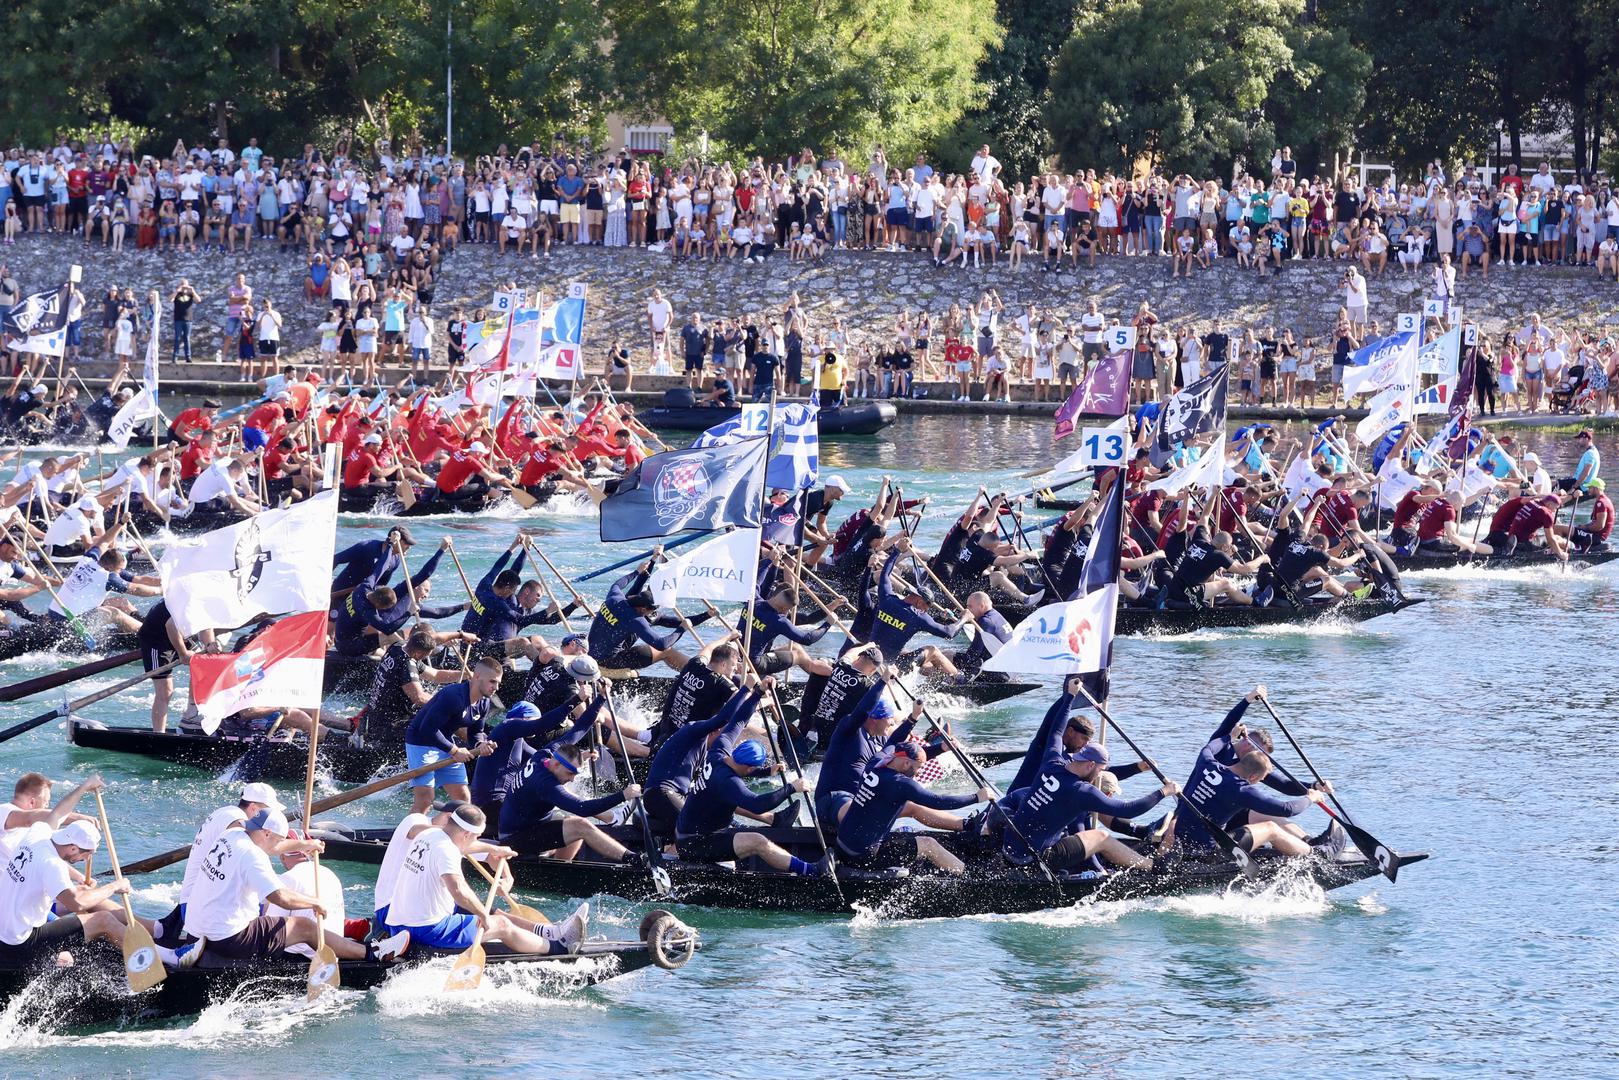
1522	559
1135	619
92	992
900	895
271	759
56	637
856	418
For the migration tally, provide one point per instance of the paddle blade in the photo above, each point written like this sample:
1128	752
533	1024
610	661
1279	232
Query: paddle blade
468	970
141	965
324	973
405	493
523	498
1387	861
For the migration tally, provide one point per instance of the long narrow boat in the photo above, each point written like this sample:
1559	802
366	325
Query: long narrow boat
858	418
255	758
56	637
979	692
915	895
92	992
1146	620
1522	559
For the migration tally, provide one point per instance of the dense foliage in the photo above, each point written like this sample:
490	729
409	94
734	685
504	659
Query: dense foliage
1178	84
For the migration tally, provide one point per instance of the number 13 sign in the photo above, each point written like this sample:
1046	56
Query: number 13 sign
1104	447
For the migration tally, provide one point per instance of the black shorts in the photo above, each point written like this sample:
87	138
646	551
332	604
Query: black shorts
633	657
171	928
392	337
775	661
1584	541
543	835
156	656
264	936
694	363
46	937
713	848
663	805
268	348
1501	543
897	849
1437	546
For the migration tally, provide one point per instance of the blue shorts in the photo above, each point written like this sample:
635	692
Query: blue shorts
417	756
75	333
454	931
379	920
828	805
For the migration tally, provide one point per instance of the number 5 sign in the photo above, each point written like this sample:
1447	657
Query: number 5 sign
1103	447
1121	338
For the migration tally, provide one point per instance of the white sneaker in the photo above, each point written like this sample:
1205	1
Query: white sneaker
572	932
392	948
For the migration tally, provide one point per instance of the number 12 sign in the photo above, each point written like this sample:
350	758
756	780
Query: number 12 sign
1104	447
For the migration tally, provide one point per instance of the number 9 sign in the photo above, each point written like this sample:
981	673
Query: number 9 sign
1104	447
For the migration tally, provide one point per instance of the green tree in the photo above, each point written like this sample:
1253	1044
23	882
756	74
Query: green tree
777	75
1017	75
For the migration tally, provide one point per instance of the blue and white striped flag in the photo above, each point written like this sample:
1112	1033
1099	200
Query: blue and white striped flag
795	442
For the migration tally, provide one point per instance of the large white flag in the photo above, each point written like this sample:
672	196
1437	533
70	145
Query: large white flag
1386	362
149	366
1065	638
1394	482
1208	471
276	562
1435	400
1383	412
720	569
142	406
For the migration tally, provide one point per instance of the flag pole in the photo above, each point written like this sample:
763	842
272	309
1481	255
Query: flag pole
764	491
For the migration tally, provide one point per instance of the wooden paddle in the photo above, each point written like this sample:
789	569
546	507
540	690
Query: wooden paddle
324	972
522	911
38	685
468	970
405	492
100	695
1384	857
331	802
141	965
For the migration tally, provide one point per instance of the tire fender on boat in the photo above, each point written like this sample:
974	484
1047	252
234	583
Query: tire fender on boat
671	942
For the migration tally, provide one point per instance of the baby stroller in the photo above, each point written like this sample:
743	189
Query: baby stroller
1573	394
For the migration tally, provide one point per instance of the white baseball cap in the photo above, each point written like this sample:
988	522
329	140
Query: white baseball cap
1532	456
477	448
272	821
88	503
372	440
260	792
80	834
837	481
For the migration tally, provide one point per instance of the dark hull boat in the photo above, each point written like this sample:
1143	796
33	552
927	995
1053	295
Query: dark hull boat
859	418
58	637
1519	560
93	993
655	689
1147	620
913	896
259	758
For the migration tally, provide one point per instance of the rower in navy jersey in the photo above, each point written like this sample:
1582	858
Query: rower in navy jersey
720	791
432	734
373	612
624	632
1226	787
370	558
901	615
502	604
398	689
1051	816
703	686
669	780
865	837
989	631
523	733
542	817
772	619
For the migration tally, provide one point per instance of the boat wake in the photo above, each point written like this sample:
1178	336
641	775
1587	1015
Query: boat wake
1321	628
1544	574
246	1016
419	991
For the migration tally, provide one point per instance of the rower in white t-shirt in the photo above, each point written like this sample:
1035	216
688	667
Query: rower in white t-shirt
254	797
299	876
31	805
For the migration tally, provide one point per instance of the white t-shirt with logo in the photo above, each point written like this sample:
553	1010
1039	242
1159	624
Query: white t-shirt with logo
397	845
10	838
419	895
233	881
211	830
35	875
301	878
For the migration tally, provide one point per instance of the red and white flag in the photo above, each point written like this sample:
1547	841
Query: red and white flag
281	668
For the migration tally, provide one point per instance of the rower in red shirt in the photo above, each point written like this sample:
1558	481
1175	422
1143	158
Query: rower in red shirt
1593	534
189	425
198	456
1520	520
1435	526
467	475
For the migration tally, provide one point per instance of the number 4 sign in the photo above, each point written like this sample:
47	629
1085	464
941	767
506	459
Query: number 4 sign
1104	447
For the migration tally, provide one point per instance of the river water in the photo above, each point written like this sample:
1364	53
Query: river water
1479	726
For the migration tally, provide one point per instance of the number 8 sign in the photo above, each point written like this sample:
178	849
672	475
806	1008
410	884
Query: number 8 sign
1104	447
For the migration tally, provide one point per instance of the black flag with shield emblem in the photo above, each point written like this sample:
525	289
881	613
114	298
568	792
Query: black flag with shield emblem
701	487
38	322
1190	411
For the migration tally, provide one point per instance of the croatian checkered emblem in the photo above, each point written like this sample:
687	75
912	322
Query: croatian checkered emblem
679	490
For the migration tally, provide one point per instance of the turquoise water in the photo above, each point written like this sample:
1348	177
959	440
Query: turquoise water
1479	726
